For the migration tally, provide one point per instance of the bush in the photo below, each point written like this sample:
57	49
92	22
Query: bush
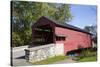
87	53
16	40
21	39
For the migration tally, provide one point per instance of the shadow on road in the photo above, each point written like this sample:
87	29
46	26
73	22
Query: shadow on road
21	57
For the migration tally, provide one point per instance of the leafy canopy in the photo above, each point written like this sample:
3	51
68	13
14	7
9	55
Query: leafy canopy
25	13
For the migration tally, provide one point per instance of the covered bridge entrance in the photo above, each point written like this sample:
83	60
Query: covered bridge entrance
43	35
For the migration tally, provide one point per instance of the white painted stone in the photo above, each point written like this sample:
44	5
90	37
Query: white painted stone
43	52
59	49
52	51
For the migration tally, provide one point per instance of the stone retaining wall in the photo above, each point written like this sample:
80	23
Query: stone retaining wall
39	53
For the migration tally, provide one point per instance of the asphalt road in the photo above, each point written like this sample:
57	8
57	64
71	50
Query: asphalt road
18	57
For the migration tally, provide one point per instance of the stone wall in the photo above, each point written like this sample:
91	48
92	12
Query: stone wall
39	53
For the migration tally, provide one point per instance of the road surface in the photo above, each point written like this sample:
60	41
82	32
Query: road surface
18	56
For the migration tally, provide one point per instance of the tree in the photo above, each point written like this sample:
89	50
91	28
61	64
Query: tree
92	29
25	13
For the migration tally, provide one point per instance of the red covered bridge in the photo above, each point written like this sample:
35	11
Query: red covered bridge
46	31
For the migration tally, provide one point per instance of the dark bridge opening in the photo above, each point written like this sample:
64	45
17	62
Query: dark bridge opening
42	35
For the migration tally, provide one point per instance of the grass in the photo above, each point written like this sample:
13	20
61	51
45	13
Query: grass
88	56
50	60
88	59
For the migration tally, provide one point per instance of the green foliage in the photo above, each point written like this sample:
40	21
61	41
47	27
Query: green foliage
92	29
88	59
16	40
25	13
88	55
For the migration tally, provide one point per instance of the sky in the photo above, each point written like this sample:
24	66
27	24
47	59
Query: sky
83	15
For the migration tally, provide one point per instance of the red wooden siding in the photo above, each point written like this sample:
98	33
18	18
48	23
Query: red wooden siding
74	39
